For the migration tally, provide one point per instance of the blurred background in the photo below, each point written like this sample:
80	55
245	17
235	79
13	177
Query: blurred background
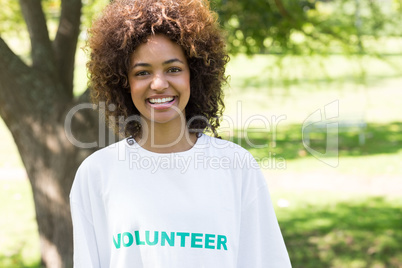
315	94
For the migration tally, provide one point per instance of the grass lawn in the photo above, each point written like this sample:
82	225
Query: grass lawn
343	216
19	240
321	230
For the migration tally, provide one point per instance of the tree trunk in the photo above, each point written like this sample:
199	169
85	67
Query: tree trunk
34	103
50	176
51	161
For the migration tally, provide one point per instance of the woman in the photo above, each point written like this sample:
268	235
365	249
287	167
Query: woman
168	195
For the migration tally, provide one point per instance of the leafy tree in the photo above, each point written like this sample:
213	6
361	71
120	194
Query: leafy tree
36	90
307	27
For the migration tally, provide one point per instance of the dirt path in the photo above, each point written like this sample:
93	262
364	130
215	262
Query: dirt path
335	182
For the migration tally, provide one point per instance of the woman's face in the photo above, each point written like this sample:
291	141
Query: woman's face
159	78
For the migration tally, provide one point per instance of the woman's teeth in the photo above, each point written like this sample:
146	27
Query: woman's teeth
162	100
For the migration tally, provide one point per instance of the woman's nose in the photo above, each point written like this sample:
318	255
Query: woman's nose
159	82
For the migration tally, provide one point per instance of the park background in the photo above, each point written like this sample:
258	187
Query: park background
288	60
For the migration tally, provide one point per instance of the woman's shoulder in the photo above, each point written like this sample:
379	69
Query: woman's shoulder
222	147
106	154
229	154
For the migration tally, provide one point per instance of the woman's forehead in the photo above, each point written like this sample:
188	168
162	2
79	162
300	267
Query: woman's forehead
158	47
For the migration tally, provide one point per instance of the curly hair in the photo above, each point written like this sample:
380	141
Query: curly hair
126	24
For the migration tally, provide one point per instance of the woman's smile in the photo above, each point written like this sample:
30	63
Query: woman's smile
161	103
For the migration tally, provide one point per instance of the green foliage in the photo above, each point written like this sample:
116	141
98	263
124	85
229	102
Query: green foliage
10	17
90	9
13	22
273	26
306	26
254	26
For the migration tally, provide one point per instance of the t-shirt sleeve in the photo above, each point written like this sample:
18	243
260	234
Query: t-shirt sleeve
85	246
261	243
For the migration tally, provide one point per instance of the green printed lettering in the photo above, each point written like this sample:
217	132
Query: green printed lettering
165	237
117	243
221	241
183	238
197	240
194	240
209	239
137	238
130	239
156	238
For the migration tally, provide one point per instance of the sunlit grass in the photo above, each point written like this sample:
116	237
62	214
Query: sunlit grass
380	155
367	87
357	231
19	241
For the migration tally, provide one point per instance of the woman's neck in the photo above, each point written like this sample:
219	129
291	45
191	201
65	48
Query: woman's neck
170	137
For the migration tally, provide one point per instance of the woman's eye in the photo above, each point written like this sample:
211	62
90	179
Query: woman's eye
174	70
141	73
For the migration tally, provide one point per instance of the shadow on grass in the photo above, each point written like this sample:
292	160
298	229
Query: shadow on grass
380	139
367	233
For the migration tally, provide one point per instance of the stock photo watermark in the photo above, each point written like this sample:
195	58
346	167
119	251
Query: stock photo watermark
324	120
235	129
199	160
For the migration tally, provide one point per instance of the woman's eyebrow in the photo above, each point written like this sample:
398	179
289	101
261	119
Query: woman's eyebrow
143	64
171	61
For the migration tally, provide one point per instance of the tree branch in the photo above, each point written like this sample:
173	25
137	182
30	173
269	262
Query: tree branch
65	43
10	63
13	73
42	53
282	9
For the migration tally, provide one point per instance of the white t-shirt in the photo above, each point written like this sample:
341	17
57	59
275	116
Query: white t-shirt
205	207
